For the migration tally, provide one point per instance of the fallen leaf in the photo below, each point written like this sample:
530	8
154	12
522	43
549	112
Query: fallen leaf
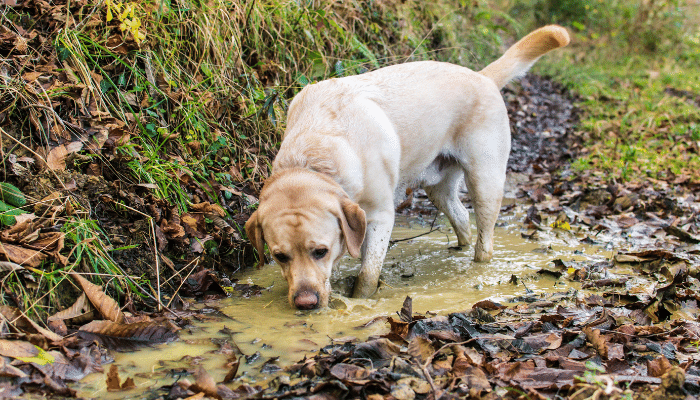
56	159
421	349
22	255
81	311
204	383
128	336
17	349
15	318
106	306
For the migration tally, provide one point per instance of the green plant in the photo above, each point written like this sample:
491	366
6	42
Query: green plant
8	213
90	253
11	195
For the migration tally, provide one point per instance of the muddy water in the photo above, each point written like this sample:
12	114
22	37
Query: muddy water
438	279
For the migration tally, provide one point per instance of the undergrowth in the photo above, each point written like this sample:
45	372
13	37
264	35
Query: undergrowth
635	69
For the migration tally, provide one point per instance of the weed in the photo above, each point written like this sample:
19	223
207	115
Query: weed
634	92
90	254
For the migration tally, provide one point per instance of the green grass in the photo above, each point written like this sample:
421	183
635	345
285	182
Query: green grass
208	88
634	129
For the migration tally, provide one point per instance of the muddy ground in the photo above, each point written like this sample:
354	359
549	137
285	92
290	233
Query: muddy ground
631	332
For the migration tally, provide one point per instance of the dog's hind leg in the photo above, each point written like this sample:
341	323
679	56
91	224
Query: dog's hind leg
445	196
485	172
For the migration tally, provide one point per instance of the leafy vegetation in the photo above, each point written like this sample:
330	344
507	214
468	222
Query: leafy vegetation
634	67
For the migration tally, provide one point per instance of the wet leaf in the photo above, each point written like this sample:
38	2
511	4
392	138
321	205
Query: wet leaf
204	383
406	313
106	306
350	373
200	282
489	305
233	365
597	340
380	352
421	349
113	381
399	329
128	336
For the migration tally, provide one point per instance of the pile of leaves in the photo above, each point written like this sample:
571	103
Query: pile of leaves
36	359
566	345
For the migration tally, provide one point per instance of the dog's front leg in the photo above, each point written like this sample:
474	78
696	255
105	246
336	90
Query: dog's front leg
379	226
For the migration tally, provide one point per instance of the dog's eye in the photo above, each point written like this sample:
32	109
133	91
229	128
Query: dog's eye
319	253
281	257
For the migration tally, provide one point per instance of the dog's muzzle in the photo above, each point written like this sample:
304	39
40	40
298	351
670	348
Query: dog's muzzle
306	300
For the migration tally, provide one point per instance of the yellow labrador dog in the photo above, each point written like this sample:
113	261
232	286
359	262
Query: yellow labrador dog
352	145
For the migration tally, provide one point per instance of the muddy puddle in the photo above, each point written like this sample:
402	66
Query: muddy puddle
272	335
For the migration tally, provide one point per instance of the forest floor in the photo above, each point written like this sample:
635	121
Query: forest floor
631	332
85	215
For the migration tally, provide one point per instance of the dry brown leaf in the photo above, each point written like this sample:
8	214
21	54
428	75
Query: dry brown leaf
421	348
26	325
598	342
22	255
172	229
81	311
207	207
58	326
128	336
7	266
103	303
56	159
17	349
350	373
658	366
9	371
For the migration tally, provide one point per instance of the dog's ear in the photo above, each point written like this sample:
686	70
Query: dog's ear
255	234
353	223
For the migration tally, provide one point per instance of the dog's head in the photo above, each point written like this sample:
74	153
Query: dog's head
308	222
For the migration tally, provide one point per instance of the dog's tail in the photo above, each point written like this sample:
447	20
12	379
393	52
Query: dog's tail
522	55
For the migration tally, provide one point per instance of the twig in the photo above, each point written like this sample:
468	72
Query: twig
155	253
392	242
184	280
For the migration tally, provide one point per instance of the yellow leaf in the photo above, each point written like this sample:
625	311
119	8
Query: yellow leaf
109	14
571	270
42	358
561	225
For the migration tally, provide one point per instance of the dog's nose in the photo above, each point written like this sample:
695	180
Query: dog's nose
306	300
